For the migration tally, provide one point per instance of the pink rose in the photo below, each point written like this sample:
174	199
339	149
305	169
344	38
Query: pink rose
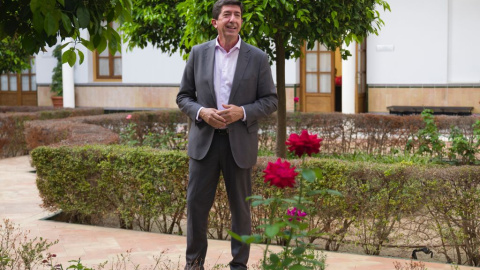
128	117
295	213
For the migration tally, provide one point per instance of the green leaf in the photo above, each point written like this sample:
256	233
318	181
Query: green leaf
318	173
298	251
38	22
234	235
334	14
309	175
257	203
81	55
67	23
249	239
34	6
334	192
62	2
274	258
112	46
50	25
88	44
102	45
28	43
272	230
297	267
258	197
83	17
69	57
95	40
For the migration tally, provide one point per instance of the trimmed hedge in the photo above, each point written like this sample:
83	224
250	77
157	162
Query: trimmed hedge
142	187
382	204
12	125
341	133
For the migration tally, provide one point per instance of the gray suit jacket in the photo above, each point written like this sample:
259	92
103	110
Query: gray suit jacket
252	88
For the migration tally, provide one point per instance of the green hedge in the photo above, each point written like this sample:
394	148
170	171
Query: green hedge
138	185
382	204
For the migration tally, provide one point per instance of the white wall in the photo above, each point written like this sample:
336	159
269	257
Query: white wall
150	65
426	42
464	41
139	66
292	72
45	63
416	42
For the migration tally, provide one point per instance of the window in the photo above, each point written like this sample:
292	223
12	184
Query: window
319	63
25	81
108	66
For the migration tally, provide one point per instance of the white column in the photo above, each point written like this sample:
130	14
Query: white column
68	81
348	80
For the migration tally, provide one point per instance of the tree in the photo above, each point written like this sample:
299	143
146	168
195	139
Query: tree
28	26
279	27
14	59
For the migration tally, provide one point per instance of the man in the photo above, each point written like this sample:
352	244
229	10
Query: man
226	88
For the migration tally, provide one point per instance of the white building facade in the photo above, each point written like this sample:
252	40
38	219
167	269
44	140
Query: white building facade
425	55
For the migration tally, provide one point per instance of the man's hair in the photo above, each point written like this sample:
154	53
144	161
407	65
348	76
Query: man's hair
217	7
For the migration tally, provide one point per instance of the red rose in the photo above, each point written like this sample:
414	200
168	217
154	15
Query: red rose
280	174
296	99
305	143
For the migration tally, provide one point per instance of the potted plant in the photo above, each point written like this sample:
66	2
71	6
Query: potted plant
57	82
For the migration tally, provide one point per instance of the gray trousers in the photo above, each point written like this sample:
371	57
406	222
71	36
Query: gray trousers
203	179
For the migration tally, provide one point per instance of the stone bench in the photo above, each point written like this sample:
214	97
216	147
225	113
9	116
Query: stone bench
445	110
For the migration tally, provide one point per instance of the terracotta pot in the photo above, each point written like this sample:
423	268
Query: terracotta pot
57	102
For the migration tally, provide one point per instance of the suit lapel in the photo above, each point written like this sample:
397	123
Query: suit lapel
242	63
209	58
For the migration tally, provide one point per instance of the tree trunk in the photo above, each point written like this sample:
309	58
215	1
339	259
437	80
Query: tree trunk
282	99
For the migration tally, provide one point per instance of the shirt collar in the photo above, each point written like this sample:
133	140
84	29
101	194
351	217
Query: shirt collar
217	45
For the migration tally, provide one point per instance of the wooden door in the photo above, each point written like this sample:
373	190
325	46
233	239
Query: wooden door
317	71
19	89
361	77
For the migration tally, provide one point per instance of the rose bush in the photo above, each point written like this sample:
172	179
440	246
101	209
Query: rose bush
297	253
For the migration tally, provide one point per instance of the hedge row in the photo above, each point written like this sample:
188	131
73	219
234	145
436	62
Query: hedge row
382	204
12	122
341	133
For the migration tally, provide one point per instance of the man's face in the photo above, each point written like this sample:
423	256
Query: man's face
229	22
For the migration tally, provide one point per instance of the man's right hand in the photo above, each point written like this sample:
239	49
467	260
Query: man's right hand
212	118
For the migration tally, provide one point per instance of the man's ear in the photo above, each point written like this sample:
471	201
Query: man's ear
214	23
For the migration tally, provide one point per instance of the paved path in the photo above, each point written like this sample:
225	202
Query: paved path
20	202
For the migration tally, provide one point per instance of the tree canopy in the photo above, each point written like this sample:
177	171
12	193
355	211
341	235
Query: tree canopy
279	27
28	26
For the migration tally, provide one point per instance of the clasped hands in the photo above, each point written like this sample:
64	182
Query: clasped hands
220	119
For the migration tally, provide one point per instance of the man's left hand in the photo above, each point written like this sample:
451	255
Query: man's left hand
231	113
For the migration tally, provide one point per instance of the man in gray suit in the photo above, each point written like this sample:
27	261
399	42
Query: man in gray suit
226	88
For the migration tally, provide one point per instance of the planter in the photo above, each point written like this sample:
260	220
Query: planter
57	102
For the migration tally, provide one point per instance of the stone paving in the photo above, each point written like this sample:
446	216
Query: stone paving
20	203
